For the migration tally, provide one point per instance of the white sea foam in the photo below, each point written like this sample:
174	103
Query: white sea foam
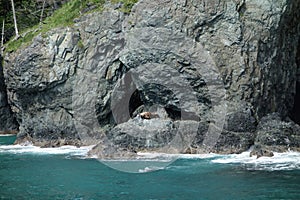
150	169
30	149
142	155
280	161
5	135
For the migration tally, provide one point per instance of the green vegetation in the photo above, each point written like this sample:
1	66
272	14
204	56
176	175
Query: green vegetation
80	44
126	5
69	11
64	17
25	19
13	45
60	18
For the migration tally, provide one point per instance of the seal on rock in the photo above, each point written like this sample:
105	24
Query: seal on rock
148	115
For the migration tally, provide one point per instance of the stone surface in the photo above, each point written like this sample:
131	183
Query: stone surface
8	123
251	42
39	86
276	134
213	68
259	151
106	150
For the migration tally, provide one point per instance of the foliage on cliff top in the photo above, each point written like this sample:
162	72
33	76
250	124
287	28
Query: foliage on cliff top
65	17
126	4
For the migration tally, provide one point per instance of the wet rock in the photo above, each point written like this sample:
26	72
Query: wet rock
259	151
277	134
106	150
142	133
233	142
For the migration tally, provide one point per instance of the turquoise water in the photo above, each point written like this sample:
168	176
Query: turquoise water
28	173
7	139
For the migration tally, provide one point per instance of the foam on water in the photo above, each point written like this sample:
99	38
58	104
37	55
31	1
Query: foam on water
150	169
280	161
149	161
7	135
30	149
162	156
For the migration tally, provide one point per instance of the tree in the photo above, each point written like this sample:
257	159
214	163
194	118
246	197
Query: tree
42	12
19	15
15	19
54	4
2	38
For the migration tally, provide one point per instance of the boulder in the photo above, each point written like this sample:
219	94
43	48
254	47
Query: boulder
276	134
259	151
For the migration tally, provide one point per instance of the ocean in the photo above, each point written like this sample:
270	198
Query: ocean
28	172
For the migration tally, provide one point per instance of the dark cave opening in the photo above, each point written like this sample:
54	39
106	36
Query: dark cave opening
295	115
137	105
159	97
173	112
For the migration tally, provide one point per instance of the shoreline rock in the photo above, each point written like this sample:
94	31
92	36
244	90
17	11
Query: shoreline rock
9	132
277	135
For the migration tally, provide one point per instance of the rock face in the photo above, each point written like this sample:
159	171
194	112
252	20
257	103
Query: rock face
39	86
211	69
8	123
274	134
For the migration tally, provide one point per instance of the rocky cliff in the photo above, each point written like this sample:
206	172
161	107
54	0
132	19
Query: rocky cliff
8	123
212	72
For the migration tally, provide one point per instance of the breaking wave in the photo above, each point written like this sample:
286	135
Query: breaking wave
280	161
30	149
156	161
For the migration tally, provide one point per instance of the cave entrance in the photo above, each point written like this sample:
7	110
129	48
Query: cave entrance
296	108
135	104
151	97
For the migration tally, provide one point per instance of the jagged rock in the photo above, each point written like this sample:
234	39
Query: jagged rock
143	134
39	85
8	124
275	134
259	151
246	40
106	150
215	67
233	142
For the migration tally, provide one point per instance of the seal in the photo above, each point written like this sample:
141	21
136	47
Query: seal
148	115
